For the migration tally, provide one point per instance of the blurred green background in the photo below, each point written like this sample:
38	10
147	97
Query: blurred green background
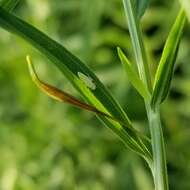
46	145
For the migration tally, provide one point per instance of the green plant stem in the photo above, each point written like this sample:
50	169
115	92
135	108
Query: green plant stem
159	169
137	42
158	147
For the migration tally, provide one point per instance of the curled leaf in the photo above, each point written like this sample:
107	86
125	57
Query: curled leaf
165	69
60	95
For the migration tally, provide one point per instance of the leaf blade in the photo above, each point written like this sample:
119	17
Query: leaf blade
9	5
133	76
165	68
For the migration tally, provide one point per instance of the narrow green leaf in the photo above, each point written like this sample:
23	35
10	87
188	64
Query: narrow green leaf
133	76
9	5
166	66
71	66
141	6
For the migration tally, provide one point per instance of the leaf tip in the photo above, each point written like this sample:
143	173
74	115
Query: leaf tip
32	71
119	52
30	66
46	88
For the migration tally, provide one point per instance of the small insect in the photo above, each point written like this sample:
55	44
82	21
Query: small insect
88	81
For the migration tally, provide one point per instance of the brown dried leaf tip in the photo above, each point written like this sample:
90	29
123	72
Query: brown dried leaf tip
60	95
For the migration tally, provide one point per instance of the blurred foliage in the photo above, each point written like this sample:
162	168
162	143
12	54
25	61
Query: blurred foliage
48	145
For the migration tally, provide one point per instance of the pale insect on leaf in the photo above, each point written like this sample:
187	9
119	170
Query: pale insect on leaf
88	81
